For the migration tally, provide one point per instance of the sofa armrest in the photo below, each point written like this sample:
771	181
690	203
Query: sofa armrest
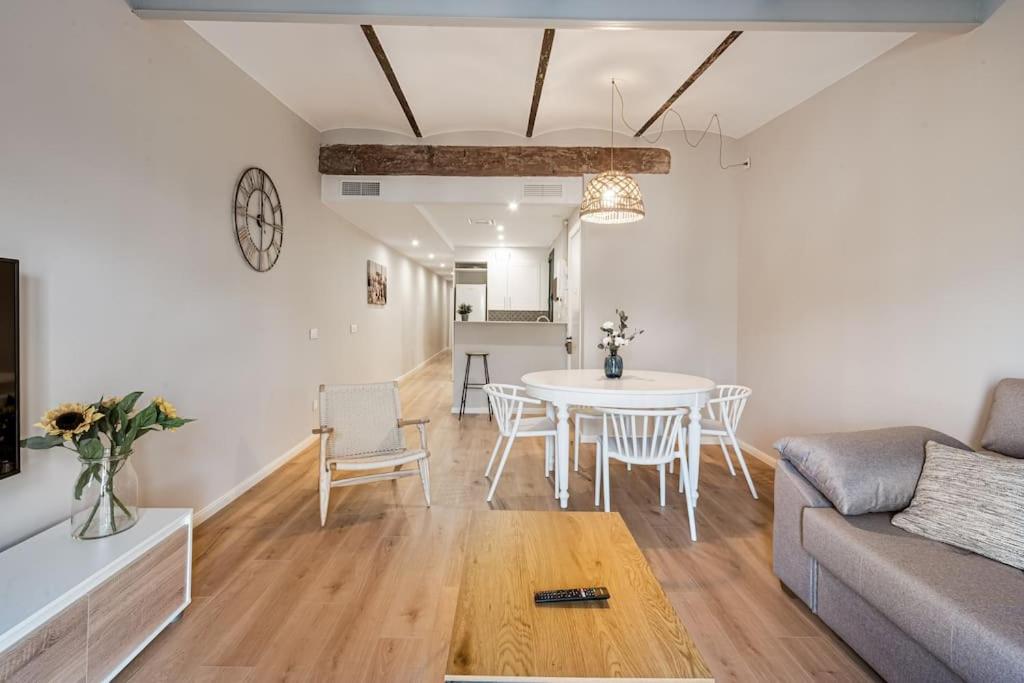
794	566
867	471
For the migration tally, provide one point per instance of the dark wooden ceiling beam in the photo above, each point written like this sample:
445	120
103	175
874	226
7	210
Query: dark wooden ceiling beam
538	83
500	161
712	58
389	73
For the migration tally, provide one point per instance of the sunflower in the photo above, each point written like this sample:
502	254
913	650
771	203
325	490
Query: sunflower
165	407
109	403
69	420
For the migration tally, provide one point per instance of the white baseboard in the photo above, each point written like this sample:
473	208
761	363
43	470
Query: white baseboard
423	364
766	458
235	491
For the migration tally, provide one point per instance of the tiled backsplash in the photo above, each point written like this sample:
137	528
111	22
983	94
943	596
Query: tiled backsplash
515	316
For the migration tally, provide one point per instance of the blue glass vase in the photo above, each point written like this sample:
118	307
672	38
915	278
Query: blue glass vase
613	366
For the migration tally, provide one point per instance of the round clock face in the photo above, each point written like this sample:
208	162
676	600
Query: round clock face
259	219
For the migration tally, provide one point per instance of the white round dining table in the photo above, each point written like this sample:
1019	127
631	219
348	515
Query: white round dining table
635	389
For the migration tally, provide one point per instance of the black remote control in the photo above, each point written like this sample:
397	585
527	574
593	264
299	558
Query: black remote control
571	595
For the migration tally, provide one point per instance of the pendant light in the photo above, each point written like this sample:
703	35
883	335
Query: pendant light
612	196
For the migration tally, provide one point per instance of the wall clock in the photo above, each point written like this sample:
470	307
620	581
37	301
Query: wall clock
259	219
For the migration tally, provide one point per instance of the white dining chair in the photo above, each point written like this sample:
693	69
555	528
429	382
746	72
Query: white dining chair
507	402
361	429
724	411
581	417
643	437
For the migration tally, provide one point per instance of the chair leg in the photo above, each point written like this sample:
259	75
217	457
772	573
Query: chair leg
576	445
743	465
501	467
728	458
607	490
548	459
597	474
494	453
465	388
684	483
549	445
487	380
325	493
425	478
672	466
661	482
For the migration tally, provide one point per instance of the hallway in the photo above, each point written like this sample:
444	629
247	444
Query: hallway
372	596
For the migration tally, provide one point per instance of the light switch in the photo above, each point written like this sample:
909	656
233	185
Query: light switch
353	328
314	333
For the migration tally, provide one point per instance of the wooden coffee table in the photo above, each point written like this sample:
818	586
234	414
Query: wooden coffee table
501	635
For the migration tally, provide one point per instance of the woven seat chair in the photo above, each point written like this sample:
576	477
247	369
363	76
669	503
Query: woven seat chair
361	429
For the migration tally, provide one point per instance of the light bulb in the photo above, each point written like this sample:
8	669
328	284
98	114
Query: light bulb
501	228
415	243
430	256
512	206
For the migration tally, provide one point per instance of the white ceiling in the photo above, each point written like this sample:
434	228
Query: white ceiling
439	228
530	225
481	78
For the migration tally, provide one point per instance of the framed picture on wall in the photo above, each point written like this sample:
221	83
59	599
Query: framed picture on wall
376	283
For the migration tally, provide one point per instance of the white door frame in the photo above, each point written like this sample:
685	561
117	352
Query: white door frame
575	360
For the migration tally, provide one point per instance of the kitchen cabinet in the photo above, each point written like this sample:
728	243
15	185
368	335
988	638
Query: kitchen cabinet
516	284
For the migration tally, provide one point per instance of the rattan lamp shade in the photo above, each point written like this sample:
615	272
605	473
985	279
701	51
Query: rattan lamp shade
612	197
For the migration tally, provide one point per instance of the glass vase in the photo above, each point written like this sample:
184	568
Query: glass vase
613	366
106	496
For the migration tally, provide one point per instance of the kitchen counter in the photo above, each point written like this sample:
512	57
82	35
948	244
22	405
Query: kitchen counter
507	322
514	348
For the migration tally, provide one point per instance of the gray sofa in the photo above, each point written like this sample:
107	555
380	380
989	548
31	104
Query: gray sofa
914	609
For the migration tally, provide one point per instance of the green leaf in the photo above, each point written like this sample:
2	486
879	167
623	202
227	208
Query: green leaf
127	404
83	479
147	416
90	449
42	442
174	422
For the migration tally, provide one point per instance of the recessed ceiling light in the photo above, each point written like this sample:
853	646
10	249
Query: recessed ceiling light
430	256
415	243
501	237
501	228
512	206
442	265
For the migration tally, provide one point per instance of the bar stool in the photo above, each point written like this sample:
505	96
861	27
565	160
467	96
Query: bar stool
467	385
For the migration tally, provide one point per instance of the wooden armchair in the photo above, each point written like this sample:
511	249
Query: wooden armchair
361	429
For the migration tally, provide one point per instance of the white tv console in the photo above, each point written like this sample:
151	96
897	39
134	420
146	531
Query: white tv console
81	610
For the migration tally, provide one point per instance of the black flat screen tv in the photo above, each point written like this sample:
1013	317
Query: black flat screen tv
10	417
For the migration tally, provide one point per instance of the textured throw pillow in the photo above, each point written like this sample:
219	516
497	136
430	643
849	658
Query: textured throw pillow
867	471
1005	431
974	501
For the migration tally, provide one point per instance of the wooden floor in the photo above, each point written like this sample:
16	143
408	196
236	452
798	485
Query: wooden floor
372	596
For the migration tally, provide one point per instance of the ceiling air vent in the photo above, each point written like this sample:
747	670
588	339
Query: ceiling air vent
481	221
360	188
542	190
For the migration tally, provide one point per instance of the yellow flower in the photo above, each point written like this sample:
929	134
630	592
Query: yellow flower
111	402
69	420
165	407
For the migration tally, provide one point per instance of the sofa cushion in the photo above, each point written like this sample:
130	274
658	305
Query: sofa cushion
861	472
965	609
1005	430
970	500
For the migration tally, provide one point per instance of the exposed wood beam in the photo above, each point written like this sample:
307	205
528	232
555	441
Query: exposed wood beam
749	15
538	83
712	58
450	160
389	73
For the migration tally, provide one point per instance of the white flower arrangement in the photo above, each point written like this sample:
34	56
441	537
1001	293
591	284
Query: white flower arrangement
614	339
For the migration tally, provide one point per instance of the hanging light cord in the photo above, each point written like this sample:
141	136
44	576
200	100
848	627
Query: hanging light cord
714	121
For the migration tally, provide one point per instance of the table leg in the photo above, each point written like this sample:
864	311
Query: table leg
693	449
562	453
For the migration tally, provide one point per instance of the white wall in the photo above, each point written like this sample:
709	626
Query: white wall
674	273
120	147
880	267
